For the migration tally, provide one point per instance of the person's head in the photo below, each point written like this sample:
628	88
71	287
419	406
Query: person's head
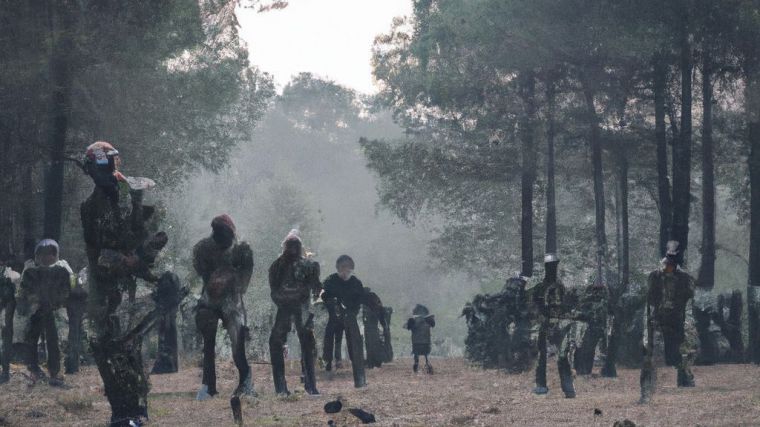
670	262
345	267
223	231
46	252
292	247
551	263
101	163
420	310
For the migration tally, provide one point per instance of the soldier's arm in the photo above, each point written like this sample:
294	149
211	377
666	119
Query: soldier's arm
242	260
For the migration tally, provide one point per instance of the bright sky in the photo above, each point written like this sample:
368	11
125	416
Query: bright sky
330	38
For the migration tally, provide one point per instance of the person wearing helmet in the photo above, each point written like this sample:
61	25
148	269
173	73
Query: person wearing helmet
348	292
555	327
293	281
225	266
670	295
45	288
115	227
420	324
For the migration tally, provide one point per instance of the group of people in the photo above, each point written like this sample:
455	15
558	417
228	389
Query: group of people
575	324
122	243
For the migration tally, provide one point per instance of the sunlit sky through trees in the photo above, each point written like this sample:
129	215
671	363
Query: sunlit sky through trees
330	38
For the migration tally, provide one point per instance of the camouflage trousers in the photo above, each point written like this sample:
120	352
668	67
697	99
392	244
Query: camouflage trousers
566	335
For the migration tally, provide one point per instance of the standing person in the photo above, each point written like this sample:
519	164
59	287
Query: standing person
333	341
8	281
373	316
45	287
593	308
348	292
293	280
226	267
548	297
114	225
420	324
670	296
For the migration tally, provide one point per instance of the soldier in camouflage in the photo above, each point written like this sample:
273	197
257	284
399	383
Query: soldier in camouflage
114	224
555	327
8	281
669	309
226	267
593	309
293	281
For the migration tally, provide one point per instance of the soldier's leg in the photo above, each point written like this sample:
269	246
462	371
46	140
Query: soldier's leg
568	339
237	332
33	337
75	313
207	322
428	366
329	343
356	351
305	331
7	333
586	351
416	365
687	352
277	340
53	349
609	369
541	366
648	377
338	354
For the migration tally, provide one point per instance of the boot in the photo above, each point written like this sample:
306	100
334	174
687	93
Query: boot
685	378
566	379
360	380
280	385
416	367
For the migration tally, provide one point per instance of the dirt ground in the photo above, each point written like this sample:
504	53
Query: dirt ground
727	395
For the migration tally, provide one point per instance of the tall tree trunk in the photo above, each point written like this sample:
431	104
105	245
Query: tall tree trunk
624	253
61	28
752	97
596	160
551	205
682	150
707	264
528	88
28	210
663	183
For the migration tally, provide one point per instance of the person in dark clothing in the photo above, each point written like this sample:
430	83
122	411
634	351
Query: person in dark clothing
226	267
333	341
8	281
373	316
45	288
670	296
420	324
348	292
593	308
293	281
114	222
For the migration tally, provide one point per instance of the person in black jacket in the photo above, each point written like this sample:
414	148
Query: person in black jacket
420	324
348	292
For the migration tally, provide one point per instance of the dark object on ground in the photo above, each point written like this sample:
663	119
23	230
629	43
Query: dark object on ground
625	423
363	415
35	414
597	412
237	411
333	407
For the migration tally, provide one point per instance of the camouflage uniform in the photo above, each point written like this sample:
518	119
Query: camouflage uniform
226	273
291	281
114	225
555	328
593	310
669	309
8	280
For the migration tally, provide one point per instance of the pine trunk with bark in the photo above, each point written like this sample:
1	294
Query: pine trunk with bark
551	204
752	96
663	182
707	264
682	151
528	178
598	177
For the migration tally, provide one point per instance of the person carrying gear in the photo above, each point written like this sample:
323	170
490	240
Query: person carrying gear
226	267
114	225
555	328
420	324
670	295
348	292
593	308
293	281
